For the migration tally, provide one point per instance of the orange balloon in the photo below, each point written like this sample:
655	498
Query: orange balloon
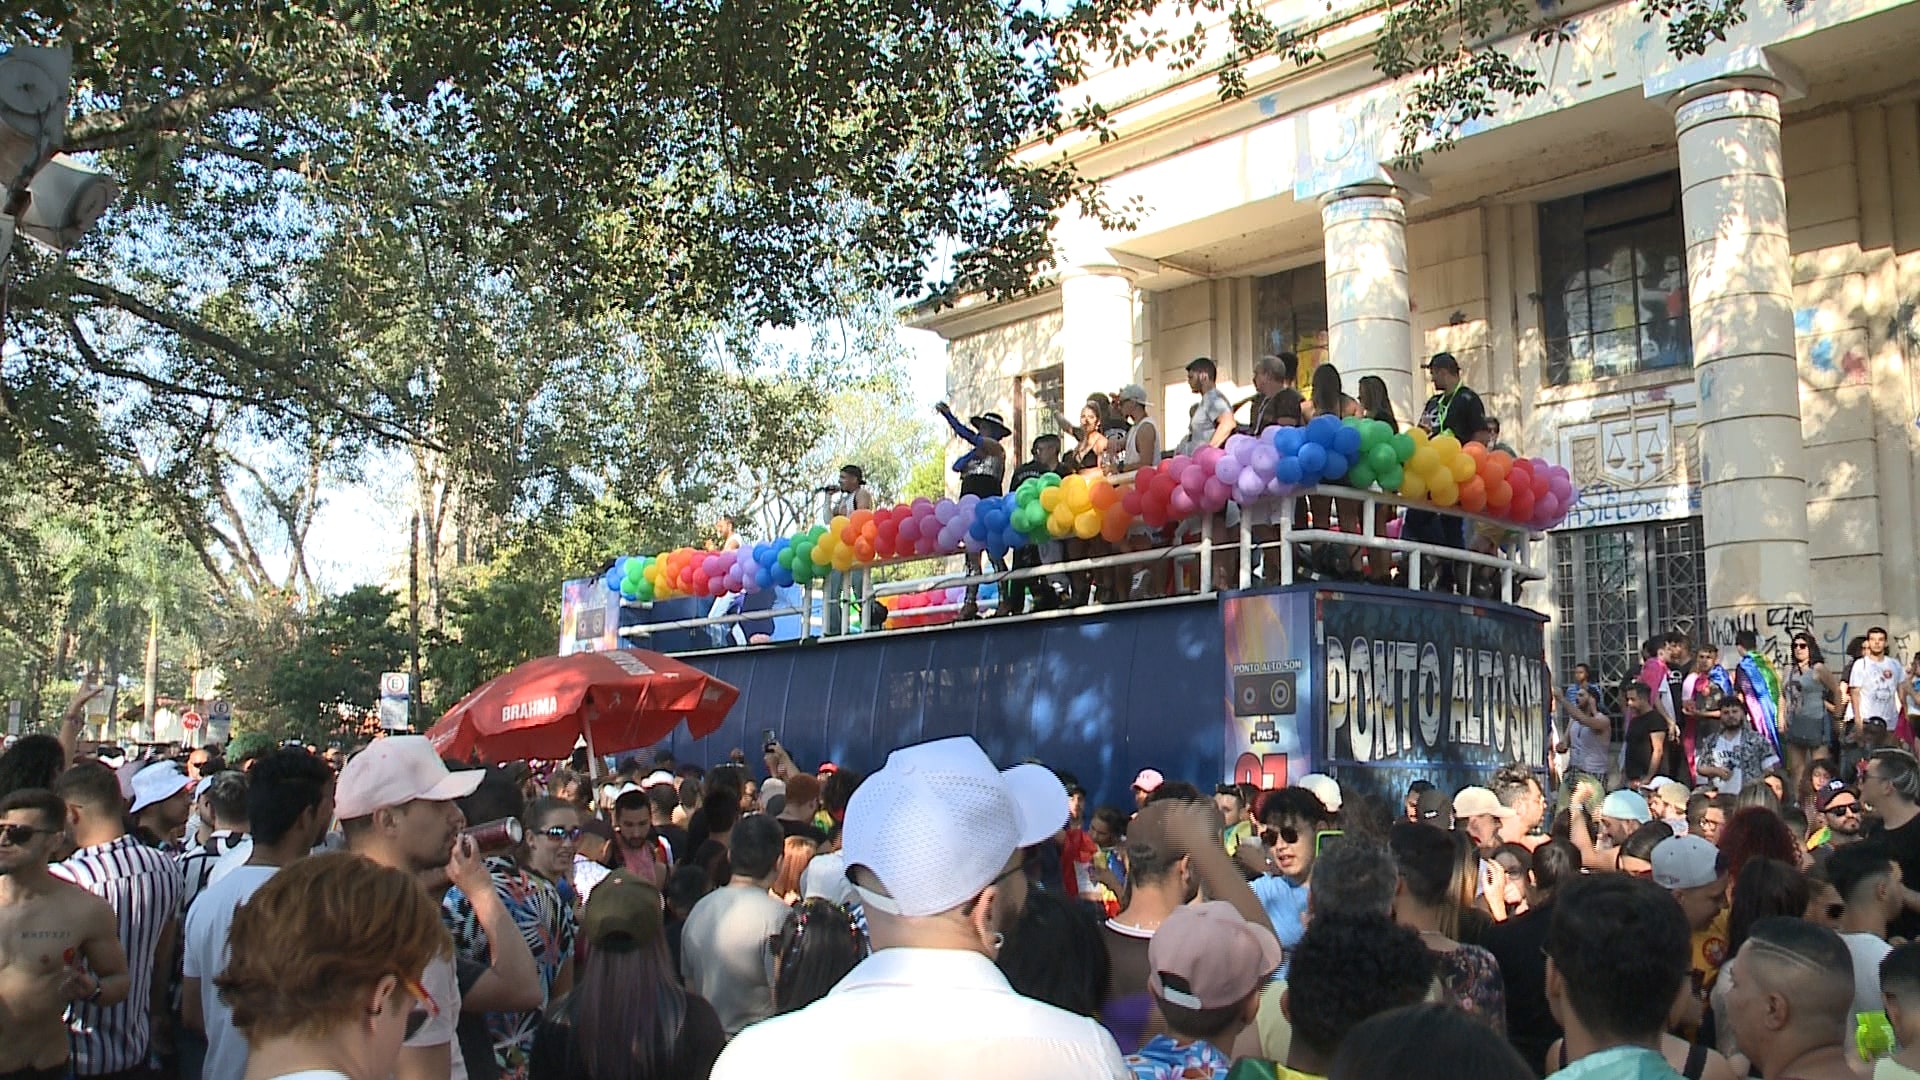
1104	496
869	530
863	549
1113	528
1473	495
1502	462
1499	495
1475	450
859	518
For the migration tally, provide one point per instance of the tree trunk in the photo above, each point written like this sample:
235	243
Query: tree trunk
413	621
151	699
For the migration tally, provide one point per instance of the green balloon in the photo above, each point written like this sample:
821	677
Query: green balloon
1389	478
1360	475
1403	447
1050	479
1381	457
644	592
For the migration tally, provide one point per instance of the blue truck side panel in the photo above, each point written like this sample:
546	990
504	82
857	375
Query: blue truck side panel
1098	695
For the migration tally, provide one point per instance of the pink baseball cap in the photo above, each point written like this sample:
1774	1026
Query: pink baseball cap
395	771
1206	956
1148	781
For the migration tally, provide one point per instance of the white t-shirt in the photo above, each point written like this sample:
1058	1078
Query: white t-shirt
442	983
1867	952
1726	751
205	957
1879	684
1205	419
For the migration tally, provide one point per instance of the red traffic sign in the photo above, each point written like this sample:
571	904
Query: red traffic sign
190	720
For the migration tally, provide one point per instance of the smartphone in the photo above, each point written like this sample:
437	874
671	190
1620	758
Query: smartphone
1326	840
768	740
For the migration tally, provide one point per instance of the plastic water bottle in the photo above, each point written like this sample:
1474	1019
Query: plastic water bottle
1872	1036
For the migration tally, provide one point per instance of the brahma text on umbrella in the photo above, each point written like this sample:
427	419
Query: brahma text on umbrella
528	710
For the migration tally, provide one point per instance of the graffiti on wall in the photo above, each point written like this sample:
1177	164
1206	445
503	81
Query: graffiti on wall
1774	627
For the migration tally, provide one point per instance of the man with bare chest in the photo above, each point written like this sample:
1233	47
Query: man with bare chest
57	942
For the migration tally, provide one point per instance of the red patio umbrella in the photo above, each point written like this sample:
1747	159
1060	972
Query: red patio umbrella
619	700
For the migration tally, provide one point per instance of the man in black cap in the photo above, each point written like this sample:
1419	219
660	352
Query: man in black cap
983	473
1455	410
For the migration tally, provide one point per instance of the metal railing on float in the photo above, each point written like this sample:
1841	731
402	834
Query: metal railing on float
1193	543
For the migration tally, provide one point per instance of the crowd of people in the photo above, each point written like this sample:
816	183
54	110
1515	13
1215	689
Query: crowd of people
387	913
1115	435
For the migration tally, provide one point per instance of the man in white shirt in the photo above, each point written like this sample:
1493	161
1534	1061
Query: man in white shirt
1873	683
289	804
933	846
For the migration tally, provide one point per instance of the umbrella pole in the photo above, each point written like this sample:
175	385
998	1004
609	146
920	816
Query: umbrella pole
593	756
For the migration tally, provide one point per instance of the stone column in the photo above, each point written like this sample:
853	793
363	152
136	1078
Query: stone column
1098	310
1740	301
1369	321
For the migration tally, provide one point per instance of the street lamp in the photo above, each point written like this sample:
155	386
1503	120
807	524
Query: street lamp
48	197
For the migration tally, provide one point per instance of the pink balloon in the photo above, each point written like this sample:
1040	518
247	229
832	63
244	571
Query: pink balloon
1193	480
1181	504
1393	528
1213	497
1206	456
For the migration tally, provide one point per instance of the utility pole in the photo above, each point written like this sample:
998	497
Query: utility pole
413	620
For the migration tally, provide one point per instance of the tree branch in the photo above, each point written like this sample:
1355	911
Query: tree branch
119	128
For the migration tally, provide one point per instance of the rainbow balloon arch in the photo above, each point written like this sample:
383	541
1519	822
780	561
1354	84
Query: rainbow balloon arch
1279	463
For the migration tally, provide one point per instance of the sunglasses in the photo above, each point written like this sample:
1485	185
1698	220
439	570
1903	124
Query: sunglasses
560	832
1844	808
18	835
1285	835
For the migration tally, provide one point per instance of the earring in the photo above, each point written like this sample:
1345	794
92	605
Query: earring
999	941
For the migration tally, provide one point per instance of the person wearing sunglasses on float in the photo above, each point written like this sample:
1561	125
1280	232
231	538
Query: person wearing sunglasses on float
67	946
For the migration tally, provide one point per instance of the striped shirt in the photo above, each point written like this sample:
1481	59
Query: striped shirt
198	861
143	887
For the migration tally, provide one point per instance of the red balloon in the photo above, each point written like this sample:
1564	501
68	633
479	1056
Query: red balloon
1131	501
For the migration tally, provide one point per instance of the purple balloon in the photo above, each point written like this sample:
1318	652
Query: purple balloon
944	511
1249	486
1265	459
1227	469
1240	446
968	501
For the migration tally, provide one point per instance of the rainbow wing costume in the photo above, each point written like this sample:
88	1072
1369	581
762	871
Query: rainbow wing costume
1760	686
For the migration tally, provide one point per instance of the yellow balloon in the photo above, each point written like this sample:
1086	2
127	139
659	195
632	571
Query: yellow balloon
821	554
1447	445
1463	468
1413	485
1418	435
1425	459
1086	524
1077	493
1060	523
843	559
1444	491
1050	499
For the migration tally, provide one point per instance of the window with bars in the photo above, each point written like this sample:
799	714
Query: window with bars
1616	587
1613	275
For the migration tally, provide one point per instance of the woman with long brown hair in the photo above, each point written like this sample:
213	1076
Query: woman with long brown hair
325	967
627	1017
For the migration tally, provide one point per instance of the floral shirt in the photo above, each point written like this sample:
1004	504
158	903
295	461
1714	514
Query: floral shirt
1471	977
1164	1059
545	921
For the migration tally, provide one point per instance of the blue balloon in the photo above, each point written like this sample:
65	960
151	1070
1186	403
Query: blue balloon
782	577
763	577
1337	464
1287	440
1347	442
613	579
1313	460
1323	430
1288	471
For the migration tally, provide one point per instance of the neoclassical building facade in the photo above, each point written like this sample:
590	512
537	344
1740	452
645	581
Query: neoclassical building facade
1693	282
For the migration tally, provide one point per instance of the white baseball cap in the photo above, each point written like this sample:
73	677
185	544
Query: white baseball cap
1325	788
938	822
655	779
157	783
395	771
1685	862
1474	801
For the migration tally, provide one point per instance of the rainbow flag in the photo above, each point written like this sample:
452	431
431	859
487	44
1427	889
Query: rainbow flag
1761	691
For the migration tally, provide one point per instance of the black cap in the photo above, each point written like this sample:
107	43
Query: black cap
1444	361
1435	808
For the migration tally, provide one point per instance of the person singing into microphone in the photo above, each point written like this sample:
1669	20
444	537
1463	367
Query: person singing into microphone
849	495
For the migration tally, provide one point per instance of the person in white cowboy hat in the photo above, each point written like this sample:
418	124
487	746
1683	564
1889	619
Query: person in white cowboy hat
934	849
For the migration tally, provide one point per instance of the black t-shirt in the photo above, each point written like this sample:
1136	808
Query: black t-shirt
1460	412
1640	732
1517	944
1679	768
1903	844
677	840
1281	405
